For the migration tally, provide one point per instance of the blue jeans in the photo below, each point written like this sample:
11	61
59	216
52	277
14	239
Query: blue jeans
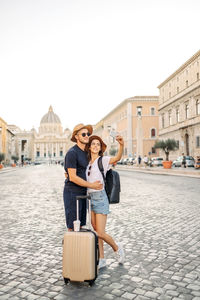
70	208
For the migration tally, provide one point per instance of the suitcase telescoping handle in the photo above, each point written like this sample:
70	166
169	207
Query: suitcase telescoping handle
89	207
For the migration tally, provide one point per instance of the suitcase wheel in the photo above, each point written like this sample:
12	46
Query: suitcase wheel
91	282
66	280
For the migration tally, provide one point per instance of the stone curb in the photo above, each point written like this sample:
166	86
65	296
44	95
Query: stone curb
161	171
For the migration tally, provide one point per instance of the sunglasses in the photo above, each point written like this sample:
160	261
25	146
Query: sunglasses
89	169
84	134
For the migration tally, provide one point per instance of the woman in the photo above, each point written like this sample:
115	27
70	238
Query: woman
99	199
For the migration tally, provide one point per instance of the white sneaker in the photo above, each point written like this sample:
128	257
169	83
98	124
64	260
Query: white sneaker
102	263
120	253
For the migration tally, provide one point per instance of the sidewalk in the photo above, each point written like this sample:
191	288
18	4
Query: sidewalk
187	172
10	169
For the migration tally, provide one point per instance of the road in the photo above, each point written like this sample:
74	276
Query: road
157	221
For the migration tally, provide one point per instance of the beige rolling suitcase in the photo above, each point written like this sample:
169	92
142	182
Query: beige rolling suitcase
80	252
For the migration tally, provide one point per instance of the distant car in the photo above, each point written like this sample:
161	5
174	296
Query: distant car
157	161
197	163
179	160
120	162
130	161
124	161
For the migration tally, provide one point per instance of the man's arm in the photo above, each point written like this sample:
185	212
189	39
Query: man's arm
97	185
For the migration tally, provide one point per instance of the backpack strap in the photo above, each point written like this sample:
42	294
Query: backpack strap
100	165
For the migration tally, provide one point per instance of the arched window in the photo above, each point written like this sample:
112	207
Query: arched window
152	111
153	133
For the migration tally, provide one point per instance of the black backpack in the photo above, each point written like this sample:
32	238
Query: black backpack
112	183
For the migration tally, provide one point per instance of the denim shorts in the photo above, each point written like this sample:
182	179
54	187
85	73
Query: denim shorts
99	202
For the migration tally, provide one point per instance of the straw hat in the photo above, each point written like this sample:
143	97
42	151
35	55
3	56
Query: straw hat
78	128
96	137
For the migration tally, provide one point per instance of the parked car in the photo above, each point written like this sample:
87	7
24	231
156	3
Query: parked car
179	160
130	161
157	161
124	161
197	163
120	162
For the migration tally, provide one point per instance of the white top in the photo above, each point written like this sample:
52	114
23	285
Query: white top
145	159
95	174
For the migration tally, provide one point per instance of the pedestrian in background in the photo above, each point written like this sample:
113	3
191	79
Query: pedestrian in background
183	160
145	160
76	161
139	161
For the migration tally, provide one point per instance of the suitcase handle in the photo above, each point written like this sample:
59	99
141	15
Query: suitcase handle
83	197
89	207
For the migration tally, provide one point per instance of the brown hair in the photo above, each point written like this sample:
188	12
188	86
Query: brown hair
87	148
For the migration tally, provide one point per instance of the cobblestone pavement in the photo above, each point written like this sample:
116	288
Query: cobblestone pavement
158	221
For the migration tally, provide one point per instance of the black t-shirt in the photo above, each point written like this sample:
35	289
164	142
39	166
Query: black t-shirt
76	159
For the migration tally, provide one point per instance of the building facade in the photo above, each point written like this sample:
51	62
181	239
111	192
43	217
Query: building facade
48	144
136	119
3	127
179	108
51	142
6	141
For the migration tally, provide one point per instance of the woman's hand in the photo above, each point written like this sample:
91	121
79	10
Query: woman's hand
120	140
116	158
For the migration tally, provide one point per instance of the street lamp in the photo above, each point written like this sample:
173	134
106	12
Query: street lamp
139	131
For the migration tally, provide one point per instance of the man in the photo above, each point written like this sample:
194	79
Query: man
76	162
139	161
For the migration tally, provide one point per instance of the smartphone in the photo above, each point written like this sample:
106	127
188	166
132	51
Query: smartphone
113	134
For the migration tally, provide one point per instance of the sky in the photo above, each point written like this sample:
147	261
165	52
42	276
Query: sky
84	57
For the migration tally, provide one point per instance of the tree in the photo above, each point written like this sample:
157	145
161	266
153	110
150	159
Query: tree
167	146
2	157
15	158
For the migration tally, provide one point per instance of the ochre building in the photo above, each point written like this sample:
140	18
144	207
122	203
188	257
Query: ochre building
136	119
179	108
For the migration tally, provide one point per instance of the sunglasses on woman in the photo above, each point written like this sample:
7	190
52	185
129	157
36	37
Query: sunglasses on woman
89	169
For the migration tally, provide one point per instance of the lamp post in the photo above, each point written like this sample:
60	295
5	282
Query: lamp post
139	132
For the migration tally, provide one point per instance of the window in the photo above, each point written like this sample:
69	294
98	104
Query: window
54	154
186	83
177	115
197	76
61	153
163	121
38	154
198	107
186	111
177	89
152	111
198	141
177	144
153	133
45	154
139	110
153	150
170	117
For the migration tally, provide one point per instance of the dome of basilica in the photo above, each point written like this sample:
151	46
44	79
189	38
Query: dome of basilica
50	117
